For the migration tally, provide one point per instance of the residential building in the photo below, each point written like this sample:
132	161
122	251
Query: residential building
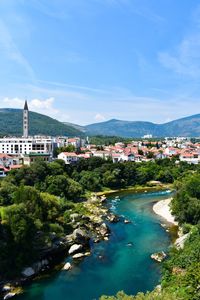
32	157
68	157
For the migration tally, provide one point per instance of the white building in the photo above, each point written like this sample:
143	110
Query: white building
147	136
21	146
77	142
68	157
120	157
191	158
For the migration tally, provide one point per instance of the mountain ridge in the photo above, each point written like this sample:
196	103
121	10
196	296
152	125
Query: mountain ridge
11	120
186	126
11	123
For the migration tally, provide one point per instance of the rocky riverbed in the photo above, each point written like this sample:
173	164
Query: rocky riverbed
87	228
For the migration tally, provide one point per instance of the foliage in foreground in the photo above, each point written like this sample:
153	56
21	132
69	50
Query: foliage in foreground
155	295
186	203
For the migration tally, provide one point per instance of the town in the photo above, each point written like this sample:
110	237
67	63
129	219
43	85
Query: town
18	151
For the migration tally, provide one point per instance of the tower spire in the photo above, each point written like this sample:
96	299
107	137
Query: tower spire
25	105
25	120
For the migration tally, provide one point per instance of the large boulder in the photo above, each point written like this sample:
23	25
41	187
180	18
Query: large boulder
67	266
78	255
75	248
159	256
80	236
38	266
6	288
112	218
28	272
104	229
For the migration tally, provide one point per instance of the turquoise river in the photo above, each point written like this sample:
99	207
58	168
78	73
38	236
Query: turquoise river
122	263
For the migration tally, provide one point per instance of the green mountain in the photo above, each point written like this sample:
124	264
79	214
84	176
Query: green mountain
11	124
76	126
188	126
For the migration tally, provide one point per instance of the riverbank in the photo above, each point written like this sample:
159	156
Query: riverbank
162	208
88	224
137	189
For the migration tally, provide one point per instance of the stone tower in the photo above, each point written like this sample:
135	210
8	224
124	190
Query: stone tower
25	120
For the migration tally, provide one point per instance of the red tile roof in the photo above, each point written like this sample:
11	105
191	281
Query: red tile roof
69	154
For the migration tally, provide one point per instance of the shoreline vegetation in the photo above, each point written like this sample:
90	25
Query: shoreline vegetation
154	187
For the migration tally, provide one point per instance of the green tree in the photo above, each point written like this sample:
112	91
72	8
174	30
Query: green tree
57	185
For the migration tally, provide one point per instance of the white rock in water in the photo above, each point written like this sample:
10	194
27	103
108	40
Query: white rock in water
74	248
67	266
78	255
28	272
8	296
159	256
127	221
6	288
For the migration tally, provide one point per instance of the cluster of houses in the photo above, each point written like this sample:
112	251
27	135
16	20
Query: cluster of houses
139	151
18	151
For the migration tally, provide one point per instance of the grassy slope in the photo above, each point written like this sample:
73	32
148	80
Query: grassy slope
11	124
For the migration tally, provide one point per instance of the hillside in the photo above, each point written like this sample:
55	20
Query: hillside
189	126
11	124
76	126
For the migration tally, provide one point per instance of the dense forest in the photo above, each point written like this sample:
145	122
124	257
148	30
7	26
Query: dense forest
36	203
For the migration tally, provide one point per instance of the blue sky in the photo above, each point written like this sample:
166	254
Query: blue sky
87	61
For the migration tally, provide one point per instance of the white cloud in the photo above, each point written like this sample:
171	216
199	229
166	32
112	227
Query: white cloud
41	106
99	117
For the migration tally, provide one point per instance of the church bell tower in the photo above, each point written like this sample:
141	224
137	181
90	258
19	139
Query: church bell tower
25	120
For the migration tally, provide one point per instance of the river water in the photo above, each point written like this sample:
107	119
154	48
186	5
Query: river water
122	263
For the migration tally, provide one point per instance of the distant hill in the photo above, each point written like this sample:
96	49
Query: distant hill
188	126
11	124
76	126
